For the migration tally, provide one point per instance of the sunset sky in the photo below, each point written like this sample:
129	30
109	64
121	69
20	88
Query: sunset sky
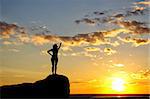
105	43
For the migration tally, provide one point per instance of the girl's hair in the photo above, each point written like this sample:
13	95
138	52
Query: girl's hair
55	46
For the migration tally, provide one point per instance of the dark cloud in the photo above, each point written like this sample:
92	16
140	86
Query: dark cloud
134	26
119	16
92	49
139	41
109	51
146	73
98	17
136	11
86	20
135	41
92	38
99	13
9	29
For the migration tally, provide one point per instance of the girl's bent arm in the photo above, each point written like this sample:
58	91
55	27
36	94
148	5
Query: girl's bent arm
49	52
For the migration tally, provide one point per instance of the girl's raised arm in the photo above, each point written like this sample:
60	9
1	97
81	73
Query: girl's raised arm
59	46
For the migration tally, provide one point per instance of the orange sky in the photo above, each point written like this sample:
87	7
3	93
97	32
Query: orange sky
105	49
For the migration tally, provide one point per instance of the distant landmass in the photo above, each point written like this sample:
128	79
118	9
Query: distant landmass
54	86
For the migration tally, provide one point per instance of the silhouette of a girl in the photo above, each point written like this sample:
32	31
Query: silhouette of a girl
54	59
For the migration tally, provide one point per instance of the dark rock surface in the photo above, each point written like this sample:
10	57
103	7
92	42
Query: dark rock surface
54	86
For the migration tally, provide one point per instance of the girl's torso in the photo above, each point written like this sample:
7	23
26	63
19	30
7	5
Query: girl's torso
55	53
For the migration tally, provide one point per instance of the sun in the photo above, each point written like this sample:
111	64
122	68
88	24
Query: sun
118	84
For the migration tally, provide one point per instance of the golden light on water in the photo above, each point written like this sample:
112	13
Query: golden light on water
118	84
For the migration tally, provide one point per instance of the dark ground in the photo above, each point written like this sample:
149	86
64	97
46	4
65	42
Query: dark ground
54	86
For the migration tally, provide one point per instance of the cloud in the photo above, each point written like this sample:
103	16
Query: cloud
112	16
91	49
14	50
133	11
135	41
92	81
99	13
39	40
146	2
86	54
82	53
78	82
94	38
142	74
119	16
136	11
23	38
66	48
44	52
114	44
134	27
139	41
6	30
146	73
7	42
86	20
118	65
37	27
94	21
138	8
109	51
115	32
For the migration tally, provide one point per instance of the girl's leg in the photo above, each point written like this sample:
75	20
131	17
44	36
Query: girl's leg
56	61
52	61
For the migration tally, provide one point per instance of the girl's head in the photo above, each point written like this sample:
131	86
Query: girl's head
55	46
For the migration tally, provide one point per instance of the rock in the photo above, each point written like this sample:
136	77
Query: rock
54	86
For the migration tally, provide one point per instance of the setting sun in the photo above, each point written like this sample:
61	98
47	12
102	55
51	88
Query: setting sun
118	84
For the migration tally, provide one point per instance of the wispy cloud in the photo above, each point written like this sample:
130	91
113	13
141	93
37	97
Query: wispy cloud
118	65
44	52
142	74
7	42
14	50
135	41
81	53
86	20
39	40
109	51
66	48
145	2
134	27
24	38
92	81
91	49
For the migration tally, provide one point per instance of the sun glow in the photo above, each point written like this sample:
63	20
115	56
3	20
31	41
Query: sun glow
118	84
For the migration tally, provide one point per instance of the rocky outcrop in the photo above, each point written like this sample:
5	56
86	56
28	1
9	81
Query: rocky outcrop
54	86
